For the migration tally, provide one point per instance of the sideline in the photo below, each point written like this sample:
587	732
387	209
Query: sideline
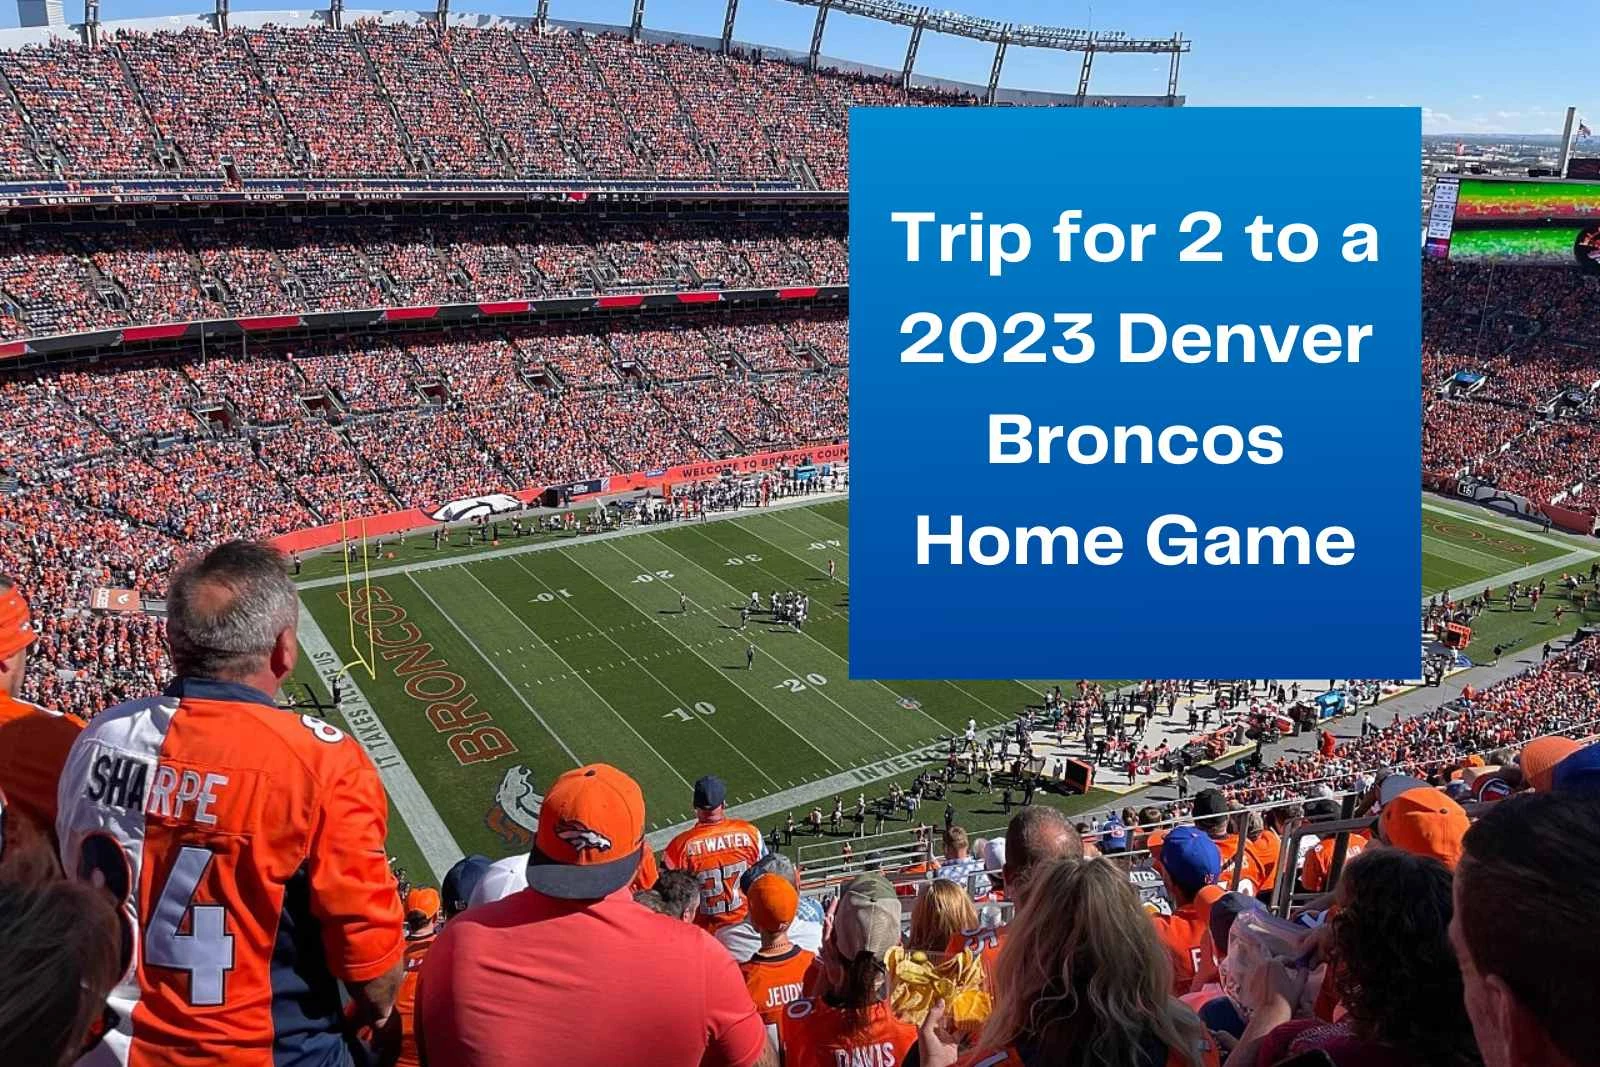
567	542
410	800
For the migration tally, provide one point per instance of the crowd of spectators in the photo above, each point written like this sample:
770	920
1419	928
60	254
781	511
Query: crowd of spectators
495	73
115	467
1419	934
439	112
1529	426
430	457
78	99
58	280
238	124
326	93
1559	694
398	99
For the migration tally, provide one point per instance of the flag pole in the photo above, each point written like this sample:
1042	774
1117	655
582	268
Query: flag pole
1566	143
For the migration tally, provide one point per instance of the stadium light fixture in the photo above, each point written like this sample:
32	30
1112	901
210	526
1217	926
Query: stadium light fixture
911	48
727	25
816	33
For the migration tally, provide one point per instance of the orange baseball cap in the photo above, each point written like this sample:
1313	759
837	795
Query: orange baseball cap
423	901
16	624
1425	822
591	834
773	903
1539	758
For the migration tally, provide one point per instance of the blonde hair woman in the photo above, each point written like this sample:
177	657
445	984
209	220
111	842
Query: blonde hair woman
1085	980
943	912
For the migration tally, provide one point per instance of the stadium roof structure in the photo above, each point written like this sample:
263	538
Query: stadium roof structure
41	21
1000	34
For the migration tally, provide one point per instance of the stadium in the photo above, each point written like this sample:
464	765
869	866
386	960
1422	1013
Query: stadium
524	343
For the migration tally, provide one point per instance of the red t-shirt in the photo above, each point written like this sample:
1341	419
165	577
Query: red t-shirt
33	749
1338	1040
582	983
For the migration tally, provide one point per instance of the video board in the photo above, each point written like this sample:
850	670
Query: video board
1533	223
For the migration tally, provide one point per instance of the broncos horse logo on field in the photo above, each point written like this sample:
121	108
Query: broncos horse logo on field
515	814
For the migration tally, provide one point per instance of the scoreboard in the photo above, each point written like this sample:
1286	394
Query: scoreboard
1537	223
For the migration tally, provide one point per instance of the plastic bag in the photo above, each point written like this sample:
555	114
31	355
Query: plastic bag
1256	939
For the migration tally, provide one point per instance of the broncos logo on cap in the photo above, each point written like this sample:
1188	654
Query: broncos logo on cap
581	838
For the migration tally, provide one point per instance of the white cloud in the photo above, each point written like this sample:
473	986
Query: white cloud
1502	121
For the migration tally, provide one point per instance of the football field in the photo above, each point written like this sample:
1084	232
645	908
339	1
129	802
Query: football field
496	669
1458	549
495	674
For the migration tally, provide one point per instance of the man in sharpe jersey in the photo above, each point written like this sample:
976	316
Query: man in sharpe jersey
33	742
243	843
716	850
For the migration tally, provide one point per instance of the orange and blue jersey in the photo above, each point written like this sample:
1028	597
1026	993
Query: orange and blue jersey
983	943
813	1033
774	981
717	854
244	844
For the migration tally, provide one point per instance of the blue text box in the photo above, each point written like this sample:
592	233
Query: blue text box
920	434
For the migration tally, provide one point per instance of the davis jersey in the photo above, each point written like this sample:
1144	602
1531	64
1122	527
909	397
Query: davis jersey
717	853
811	1033
245	846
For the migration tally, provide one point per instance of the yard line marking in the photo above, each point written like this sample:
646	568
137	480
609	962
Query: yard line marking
715	669
783	550
702	567
943	729
411	801
664	687
576	762
535	634
775	517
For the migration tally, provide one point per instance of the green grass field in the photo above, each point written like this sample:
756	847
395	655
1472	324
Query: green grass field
498	668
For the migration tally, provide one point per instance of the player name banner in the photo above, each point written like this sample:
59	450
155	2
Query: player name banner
107	599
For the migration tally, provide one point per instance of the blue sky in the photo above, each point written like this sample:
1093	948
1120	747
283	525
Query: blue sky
1473	65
